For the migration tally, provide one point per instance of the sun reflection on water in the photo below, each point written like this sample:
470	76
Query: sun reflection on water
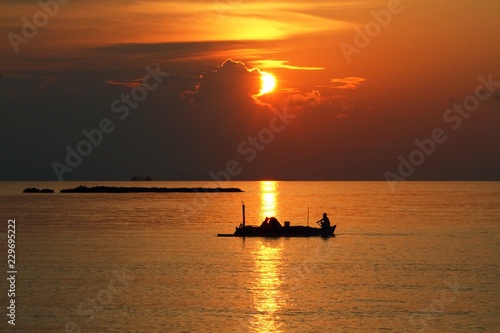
269	300
268	199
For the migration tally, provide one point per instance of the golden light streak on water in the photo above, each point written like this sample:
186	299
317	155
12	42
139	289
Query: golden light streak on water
269	199
268	298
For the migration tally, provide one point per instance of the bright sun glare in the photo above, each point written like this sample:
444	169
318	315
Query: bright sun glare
268	83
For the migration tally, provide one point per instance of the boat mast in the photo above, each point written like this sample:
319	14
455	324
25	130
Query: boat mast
243	209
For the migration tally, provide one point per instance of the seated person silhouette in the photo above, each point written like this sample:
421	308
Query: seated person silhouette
271	222
324	222
274	223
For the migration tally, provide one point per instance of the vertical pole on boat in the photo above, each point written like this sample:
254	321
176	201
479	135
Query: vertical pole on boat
243	209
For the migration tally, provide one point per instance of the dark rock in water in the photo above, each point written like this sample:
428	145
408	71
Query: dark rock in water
113	189
35	190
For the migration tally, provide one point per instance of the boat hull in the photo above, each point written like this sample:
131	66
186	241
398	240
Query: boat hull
291	231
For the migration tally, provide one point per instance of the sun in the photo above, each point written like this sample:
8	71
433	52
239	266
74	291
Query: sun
268	83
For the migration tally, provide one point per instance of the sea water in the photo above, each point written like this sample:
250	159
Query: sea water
417	257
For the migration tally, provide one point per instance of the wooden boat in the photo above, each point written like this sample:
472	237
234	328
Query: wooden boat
277	230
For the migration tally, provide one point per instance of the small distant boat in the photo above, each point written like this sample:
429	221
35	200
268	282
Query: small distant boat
140	179
275	229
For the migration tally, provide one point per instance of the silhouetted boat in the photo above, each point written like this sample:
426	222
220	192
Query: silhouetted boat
140	179
277	230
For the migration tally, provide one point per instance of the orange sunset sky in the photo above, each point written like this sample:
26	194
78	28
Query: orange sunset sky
369	90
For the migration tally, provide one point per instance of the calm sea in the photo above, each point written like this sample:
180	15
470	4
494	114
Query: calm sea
424	258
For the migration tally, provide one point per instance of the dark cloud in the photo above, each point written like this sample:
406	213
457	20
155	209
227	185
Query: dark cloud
327	136
128	83
15	86
337	105
496	95
231	82
224	110
303	100
201	55
179	49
